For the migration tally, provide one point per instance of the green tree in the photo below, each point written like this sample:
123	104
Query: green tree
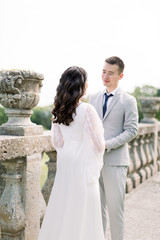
3	116
42	116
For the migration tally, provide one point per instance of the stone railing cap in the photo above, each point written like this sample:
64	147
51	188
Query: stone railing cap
12	147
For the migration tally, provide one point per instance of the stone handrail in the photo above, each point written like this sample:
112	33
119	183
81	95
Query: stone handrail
22	204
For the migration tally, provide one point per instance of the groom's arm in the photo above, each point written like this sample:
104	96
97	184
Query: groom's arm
130	126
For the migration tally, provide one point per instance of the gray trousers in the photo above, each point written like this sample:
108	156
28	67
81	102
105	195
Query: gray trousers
112	190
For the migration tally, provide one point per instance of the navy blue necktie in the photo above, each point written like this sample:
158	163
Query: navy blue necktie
105	103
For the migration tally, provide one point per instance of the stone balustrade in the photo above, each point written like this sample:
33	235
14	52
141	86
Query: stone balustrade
22	145
144	152
22	204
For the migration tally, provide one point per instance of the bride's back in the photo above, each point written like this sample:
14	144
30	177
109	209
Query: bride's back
75	131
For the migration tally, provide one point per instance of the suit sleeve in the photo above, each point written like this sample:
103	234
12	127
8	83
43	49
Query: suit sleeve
130	127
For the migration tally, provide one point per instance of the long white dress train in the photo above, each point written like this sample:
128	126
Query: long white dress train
74	210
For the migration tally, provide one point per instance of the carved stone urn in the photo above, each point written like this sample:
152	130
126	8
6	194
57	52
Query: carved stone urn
149	107
19	93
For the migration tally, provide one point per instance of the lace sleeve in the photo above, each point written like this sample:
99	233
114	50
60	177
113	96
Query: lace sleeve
95	128
57	136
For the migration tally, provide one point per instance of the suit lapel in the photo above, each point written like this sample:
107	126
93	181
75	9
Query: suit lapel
113	102
100	105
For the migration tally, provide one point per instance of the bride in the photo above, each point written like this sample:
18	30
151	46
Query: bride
74	210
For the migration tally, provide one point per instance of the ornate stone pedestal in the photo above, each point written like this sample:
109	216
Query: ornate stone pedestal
149	107
19	93
19	123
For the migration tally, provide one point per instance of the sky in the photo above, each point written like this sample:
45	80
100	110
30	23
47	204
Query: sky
48	36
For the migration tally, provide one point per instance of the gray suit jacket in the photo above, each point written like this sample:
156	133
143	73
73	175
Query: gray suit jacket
120	125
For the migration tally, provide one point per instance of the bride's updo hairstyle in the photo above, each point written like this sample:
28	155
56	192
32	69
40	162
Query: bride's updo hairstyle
69	91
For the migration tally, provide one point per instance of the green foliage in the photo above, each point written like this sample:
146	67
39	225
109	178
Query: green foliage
42	116
85	98
145	91
3	116
158	93
158	115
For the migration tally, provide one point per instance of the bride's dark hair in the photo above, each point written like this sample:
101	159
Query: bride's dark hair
70	89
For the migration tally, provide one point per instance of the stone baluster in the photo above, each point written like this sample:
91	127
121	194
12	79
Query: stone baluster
12	218
148	151
152	148
129	183
136	163
154	167
142	158
46	190
148	154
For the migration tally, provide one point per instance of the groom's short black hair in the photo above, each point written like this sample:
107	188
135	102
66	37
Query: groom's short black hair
117	61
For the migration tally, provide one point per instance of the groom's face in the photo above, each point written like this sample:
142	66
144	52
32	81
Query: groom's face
111	76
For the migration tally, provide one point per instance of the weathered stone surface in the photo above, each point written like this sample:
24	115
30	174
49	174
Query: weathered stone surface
32	196
12	216
21	131
21	202
29	149
135	179
129	185
11	208
19	93
18	146
144	128
149	107
148	171
142	174
20	89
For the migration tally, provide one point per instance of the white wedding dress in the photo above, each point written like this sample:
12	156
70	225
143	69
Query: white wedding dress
74	210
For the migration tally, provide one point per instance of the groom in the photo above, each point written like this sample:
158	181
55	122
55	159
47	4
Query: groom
118	111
